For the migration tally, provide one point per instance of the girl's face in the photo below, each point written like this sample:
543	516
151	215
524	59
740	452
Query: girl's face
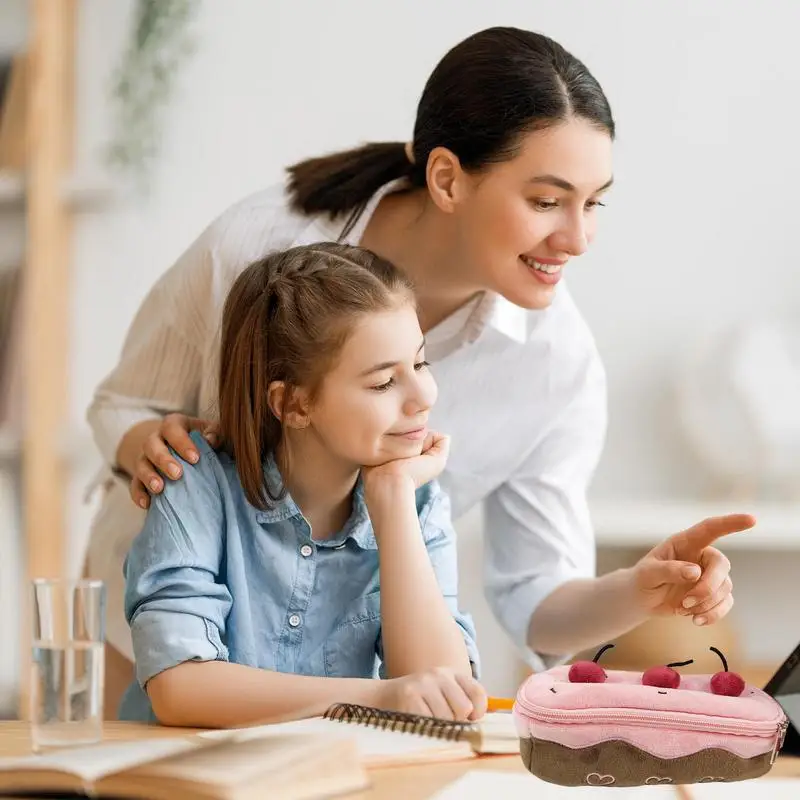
519	222
373	406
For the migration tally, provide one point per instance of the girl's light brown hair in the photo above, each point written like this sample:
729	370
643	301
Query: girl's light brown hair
286	318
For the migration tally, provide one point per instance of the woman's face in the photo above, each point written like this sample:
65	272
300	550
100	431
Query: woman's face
519	222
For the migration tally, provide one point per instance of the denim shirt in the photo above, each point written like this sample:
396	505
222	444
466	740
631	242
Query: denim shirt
210	577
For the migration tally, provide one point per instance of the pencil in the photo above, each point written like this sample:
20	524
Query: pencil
500	704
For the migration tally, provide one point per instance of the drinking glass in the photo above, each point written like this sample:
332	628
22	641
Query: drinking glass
68	662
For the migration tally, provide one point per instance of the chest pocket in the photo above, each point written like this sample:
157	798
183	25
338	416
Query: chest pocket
351	649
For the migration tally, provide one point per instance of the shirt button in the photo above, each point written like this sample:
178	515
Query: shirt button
294	620
306	550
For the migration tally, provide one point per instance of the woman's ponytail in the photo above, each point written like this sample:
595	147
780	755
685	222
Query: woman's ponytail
343	182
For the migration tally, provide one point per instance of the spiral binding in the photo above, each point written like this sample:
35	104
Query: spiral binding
397	721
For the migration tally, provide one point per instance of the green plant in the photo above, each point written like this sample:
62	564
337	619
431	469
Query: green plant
144	82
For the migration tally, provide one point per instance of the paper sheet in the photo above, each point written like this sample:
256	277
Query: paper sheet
480	784
376	746
772	788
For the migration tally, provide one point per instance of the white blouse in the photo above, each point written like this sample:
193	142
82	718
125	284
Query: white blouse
521	393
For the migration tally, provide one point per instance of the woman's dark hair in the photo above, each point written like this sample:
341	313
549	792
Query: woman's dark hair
487	92
287	318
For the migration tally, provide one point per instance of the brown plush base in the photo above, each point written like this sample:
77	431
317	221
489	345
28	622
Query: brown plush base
618	763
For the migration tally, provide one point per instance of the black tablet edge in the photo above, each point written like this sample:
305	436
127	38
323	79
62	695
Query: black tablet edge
782	673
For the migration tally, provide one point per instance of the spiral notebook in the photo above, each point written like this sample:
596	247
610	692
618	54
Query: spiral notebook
387	738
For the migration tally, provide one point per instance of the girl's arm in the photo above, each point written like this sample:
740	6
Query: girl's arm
418	579
177	607
218	694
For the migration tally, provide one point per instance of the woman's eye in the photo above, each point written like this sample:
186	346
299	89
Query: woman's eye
421	365
544	205
382	387
594	204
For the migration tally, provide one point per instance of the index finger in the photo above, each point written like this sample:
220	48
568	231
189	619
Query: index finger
709	530
177	437
476	694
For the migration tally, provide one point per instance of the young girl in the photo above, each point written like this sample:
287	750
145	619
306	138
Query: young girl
269	580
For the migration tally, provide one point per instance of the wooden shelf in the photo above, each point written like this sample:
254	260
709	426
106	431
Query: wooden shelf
80	192
642	524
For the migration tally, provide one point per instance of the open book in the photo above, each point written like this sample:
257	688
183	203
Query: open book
386	738
191	767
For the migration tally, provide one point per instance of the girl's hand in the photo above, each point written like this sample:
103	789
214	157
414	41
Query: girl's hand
440	693
685	575
418	469
154	460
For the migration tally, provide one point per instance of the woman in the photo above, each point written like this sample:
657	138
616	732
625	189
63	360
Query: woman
499	188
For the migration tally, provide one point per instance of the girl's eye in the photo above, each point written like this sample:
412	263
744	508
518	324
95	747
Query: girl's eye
593	204
544	205
421	365
382	387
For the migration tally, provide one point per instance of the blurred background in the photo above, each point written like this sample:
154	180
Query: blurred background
691	287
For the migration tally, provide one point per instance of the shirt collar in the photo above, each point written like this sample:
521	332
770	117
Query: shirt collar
507	318
358	526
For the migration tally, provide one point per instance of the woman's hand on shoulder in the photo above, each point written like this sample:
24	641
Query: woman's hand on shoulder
440	692
416	470
145	456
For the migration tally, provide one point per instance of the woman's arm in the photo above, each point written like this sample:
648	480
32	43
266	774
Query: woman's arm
419	632
163	359
538	531
541	548
161	366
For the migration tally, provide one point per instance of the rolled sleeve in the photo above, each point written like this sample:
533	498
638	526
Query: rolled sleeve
440	542
175	603
537	529
166	634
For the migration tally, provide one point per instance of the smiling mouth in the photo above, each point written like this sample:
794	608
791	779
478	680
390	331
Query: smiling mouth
539	266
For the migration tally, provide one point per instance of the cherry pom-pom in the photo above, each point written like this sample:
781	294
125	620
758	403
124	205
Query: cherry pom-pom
589	671
727	683
730	684
586	672
664	677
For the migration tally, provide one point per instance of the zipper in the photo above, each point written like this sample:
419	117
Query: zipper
782	726
663	719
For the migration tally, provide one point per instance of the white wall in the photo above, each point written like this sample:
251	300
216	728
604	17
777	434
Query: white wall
699	231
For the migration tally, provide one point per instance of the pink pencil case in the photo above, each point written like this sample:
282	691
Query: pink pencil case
635	729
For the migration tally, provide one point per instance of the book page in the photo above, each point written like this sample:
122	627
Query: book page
240	761
96	761
375	745
499	733
480	784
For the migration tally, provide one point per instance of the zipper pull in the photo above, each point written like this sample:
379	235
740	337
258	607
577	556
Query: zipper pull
779	738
